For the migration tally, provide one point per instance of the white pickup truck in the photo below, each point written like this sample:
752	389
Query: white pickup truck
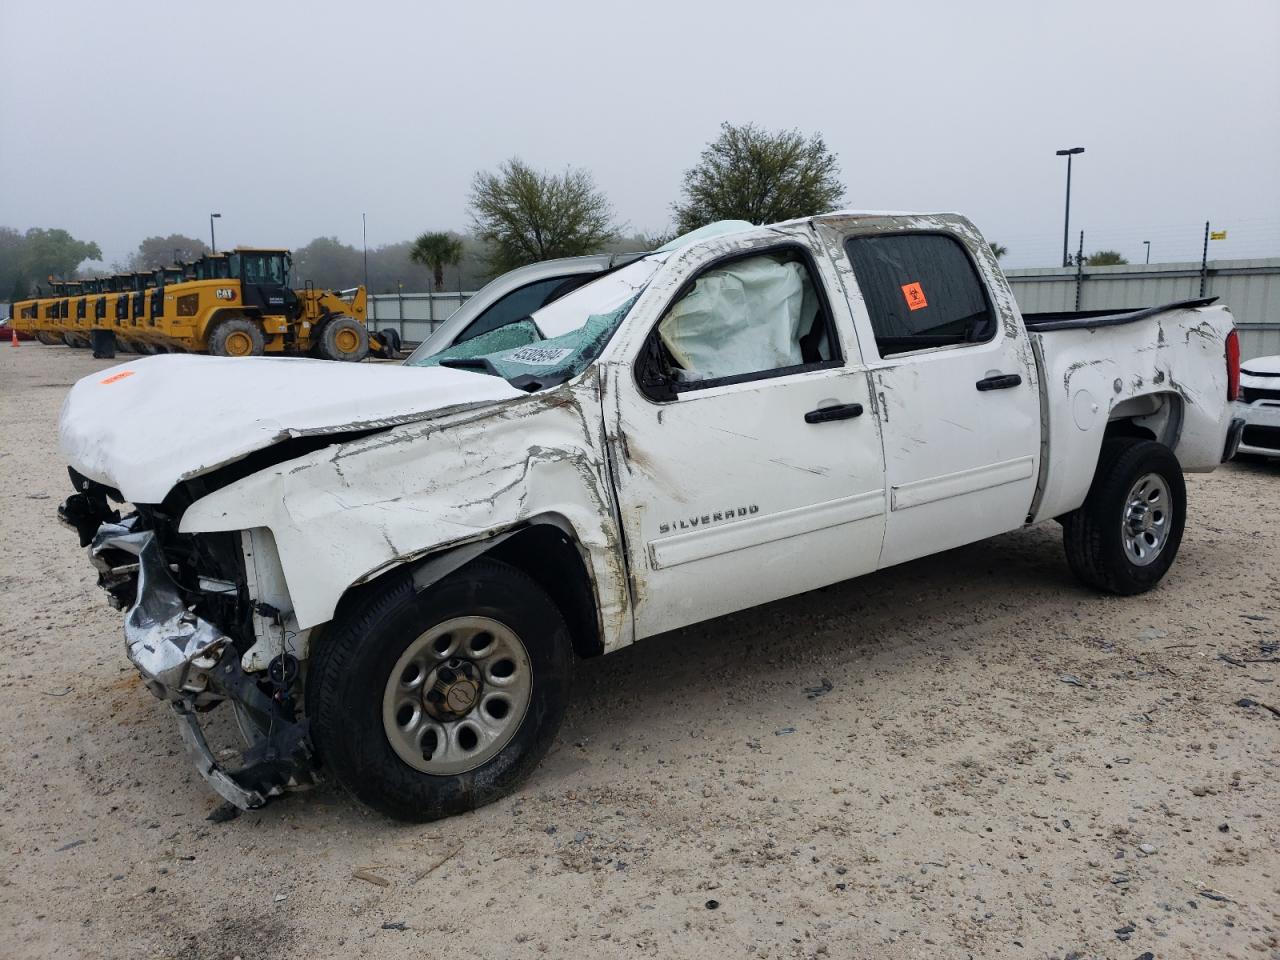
389	571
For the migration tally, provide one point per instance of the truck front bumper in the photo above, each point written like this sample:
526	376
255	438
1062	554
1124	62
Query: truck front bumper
1261	420
192	665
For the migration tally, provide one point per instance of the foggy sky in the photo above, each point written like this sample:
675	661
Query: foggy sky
127	119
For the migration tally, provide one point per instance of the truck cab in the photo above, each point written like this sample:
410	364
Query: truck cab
264	280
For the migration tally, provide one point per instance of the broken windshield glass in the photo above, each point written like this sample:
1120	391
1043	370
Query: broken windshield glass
558	341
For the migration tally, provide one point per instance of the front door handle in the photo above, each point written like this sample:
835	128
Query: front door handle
839	411
1003	382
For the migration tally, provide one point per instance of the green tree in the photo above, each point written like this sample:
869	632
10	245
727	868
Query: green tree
748	173
43	253
1105	258
999	249
524	215
435	251
161	251
329	264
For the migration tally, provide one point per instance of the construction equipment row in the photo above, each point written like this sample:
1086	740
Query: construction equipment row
236	304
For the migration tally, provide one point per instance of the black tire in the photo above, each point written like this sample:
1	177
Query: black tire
1093	534
390	349
349	670
342	338
237	337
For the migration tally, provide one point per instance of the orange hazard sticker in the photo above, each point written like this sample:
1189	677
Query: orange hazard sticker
117	376
914	295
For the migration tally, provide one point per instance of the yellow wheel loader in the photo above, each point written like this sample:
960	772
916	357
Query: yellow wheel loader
240	304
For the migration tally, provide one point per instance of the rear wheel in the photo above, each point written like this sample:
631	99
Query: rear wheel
427	704
389	345
1125	536
343	338
237	337
48	339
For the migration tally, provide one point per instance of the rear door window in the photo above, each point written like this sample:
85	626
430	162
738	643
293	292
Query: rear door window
921	290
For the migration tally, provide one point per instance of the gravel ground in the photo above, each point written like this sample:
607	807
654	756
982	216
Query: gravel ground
966	756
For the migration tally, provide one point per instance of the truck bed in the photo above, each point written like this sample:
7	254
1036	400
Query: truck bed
1088	319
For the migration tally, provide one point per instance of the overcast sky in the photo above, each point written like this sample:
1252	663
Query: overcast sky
126	119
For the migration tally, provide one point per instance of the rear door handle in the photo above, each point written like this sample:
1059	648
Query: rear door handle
1003	382
839	411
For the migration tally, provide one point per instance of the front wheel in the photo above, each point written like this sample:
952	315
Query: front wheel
1125	536
237	337
429	703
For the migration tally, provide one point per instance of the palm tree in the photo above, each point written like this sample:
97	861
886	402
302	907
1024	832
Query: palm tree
999	249
435	251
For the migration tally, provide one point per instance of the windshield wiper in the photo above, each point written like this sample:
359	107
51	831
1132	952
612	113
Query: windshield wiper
471	363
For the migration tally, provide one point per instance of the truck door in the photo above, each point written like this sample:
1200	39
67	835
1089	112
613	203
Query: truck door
747	462
955	387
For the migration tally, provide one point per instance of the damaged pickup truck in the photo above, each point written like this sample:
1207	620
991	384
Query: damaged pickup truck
388	572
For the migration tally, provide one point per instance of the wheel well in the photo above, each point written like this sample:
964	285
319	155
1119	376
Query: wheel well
546	554
1127	428
1150	416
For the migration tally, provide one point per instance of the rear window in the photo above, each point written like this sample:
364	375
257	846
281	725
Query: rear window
921	291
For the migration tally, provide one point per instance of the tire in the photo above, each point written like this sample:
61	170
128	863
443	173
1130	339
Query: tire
390	344
1110	545
48	339
343	338
359	709
237	337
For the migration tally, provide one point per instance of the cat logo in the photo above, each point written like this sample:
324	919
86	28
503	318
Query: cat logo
226	293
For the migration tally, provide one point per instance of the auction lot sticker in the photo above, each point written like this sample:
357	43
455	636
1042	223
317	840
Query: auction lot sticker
539	356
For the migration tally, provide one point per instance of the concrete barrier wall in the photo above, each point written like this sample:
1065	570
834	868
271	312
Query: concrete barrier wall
1250	288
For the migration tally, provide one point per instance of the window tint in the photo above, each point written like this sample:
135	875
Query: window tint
757	316
522	303
921	291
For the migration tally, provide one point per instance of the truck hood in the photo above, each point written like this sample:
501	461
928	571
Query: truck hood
1261	367
145	426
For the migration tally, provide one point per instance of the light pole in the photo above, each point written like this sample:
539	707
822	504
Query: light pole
213	241
1066	223
364	245
1147	243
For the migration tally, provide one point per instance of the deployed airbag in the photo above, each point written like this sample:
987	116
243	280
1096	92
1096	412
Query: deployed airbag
741	318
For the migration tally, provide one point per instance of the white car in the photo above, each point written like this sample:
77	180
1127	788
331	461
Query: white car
388	571
1259	406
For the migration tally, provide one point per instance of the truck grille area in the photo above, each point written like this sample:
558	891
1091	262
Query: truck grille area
1265	437
1250	394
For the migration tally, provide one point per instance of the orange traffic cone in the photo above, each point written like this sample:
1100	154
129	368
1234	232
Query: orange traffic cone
13	337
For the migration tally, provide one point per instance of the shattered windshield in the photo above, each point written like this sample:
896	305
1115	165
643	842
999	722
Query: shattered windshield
556	342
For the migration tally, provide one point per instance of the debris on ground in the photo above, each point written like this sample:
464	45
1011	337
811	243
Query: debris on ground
368	876
223	813
824	686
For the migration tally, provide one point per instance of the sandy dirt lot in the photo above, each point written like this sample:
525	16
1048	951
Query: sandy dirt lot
967	756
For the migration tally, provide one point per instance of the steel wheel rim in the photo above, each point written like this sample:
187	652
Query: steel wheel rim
1147	520
239	344
347	341
422	732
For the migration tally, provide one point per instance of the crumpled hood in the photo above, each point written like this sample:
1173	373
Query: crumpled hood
143	427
